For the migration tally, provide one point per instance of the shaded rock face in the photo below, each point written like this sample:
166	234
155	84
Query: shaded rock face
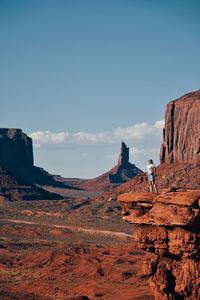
181	135
123	159
15	148
124	170
16	156
13	189
168	228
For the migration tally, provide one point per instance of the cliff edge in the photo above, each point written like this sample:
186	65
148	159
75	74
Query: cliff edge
167	227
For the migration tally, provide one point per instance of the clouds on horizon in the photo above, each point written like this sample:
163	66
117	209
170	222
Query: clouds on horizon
143	140
137	135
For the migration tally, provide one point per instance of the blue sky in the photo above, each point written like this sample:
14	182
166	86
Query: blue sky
73	71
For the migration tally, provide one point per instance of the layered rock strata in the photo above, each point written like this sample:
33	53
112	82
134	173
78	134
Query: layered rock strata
168	228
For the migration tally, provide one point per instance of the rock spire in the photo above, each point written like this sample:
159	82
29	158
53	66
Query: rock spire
124	155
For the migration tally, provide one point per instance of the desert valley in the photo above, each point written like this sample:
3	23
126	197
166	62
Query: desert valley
107	237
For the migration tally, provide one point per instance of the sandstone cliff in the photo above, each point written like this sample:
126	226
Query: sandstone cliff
181	135
168	227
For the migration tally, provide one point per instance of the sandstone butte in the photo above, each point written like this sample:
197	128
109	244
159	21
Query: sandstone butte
18	175
16	157
168	229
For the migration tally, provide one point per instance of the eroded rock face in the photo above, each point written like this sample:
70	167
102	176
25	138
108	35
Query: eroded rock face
168	228
181	142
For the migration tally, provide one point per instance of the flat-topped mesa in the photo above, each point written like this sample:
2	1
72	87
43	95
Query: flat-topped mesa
16	156
181	141
168	228
124	155
15	147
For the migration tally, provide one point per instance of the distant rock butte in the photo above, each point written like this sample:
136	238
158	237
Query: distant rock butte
16	156
18	175
121	173
167	227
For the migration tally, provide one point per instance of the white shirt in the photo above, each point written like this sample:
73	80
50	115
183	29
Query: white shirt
150	168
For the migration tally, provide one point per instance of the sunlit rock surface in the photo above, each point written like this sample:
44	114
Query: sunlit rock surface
168	228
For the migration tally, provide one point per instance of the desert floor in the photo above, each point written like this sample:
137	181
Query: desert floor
50	251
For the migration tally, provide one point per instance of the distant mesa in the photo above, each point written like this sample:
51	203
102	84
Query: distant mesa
19	178
121	173
16	156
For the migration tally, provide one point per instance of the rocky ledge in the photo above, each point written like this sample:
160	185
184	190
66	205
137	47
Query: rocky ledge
168	228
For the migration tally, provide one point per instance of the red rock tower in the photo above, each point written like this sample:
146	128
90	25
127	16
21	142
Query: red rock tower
181	135
124	155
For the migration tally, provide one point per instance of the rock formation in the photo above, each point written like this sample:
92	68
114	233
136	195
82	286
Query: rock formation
181	135
123	159
168	228
16	156
15	147
121	173
180	150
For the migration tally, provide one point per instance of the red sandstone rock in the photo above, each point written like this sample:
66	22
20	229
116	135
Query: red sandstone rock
181	141
174	268
172	208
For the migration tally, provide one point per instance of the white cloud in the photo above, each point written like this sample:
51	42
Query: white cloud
159	124
137	134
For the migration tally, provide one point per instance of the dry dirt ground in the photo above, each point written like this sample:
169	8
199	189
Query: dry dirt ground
48	251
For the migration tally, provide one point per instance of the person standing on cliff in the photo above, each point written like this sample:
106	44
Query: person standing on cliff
150	175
